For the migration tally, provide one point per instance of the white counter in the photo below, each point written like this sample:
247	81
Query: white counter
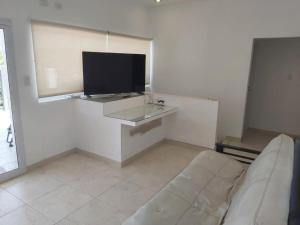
143	114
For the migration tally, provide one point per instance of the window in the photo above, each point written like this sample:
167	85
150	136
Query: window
58	55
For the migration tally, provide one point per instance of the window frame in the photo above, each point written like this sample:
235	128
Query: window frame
73	95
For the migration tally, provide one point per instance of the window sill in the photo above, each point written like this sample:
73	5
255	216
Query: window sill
72	96
59	98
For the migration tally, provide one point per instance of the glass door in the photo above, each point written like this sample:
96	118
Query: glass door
11	141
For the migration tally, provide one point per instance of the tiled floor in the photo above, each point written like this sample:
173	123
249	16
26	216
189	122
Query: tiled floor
80	190
253	139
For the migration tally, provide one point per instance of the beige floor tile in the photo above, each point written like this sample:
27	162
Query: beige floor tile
253	139
158	172
167	159
80	190
59	203
8	202
127	196
150	180
165	167
95	184
32	174
65	222
124	172
72	167
11	182
82	161
169	151
33	187
25	216
97	213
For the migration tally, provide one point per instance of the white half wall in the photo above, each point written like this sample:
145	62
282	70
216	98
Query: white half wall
274	93
102	135
203	49
195	122
137	143
94	132
48	128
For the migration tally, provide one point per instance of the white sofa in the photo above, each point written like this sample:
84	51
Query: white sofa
215	189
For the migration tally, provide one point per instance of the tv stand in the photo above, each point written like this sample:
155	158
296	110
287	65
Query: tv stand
110	97
98	96
119	127
137	116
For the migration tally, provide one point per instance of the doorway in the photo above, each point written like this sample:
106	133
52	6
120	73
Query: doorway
12	161
273	91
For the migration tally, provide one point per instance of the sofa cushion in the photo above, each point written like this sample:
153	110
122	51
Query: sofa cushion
199	194
263	198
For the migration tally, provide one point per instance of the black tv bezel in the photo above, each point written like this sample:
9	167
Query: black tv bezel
91	93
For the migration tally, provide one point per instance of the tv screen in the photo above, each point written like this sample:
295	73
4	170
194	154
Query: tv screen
110	73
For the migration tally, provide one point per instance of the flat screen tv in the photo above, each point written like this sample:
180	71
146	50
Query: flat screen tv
111	73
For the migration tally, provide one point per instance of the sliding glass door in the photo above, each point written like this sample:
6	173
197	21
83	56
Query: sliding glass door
12	161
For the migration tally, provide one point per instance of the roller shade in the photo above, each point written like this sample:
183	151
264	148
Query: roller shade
58	54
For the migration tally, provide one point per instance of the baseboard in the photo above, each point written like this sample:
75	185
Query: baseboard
140	154
186	145
233	139
96	156
51	159
113	162
273	132
143	152
75	150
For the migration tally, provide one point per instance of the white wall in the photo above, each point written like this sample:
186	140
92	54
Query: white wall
96	133
48	128
101	135
195	122
274	96
137	143
203	49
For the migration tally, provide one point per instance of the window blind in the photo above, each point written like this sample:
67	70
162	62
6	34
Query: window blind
58	55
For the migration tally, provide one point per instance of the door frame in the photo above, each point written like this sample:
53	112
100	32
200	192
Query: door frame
6	25
246	106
